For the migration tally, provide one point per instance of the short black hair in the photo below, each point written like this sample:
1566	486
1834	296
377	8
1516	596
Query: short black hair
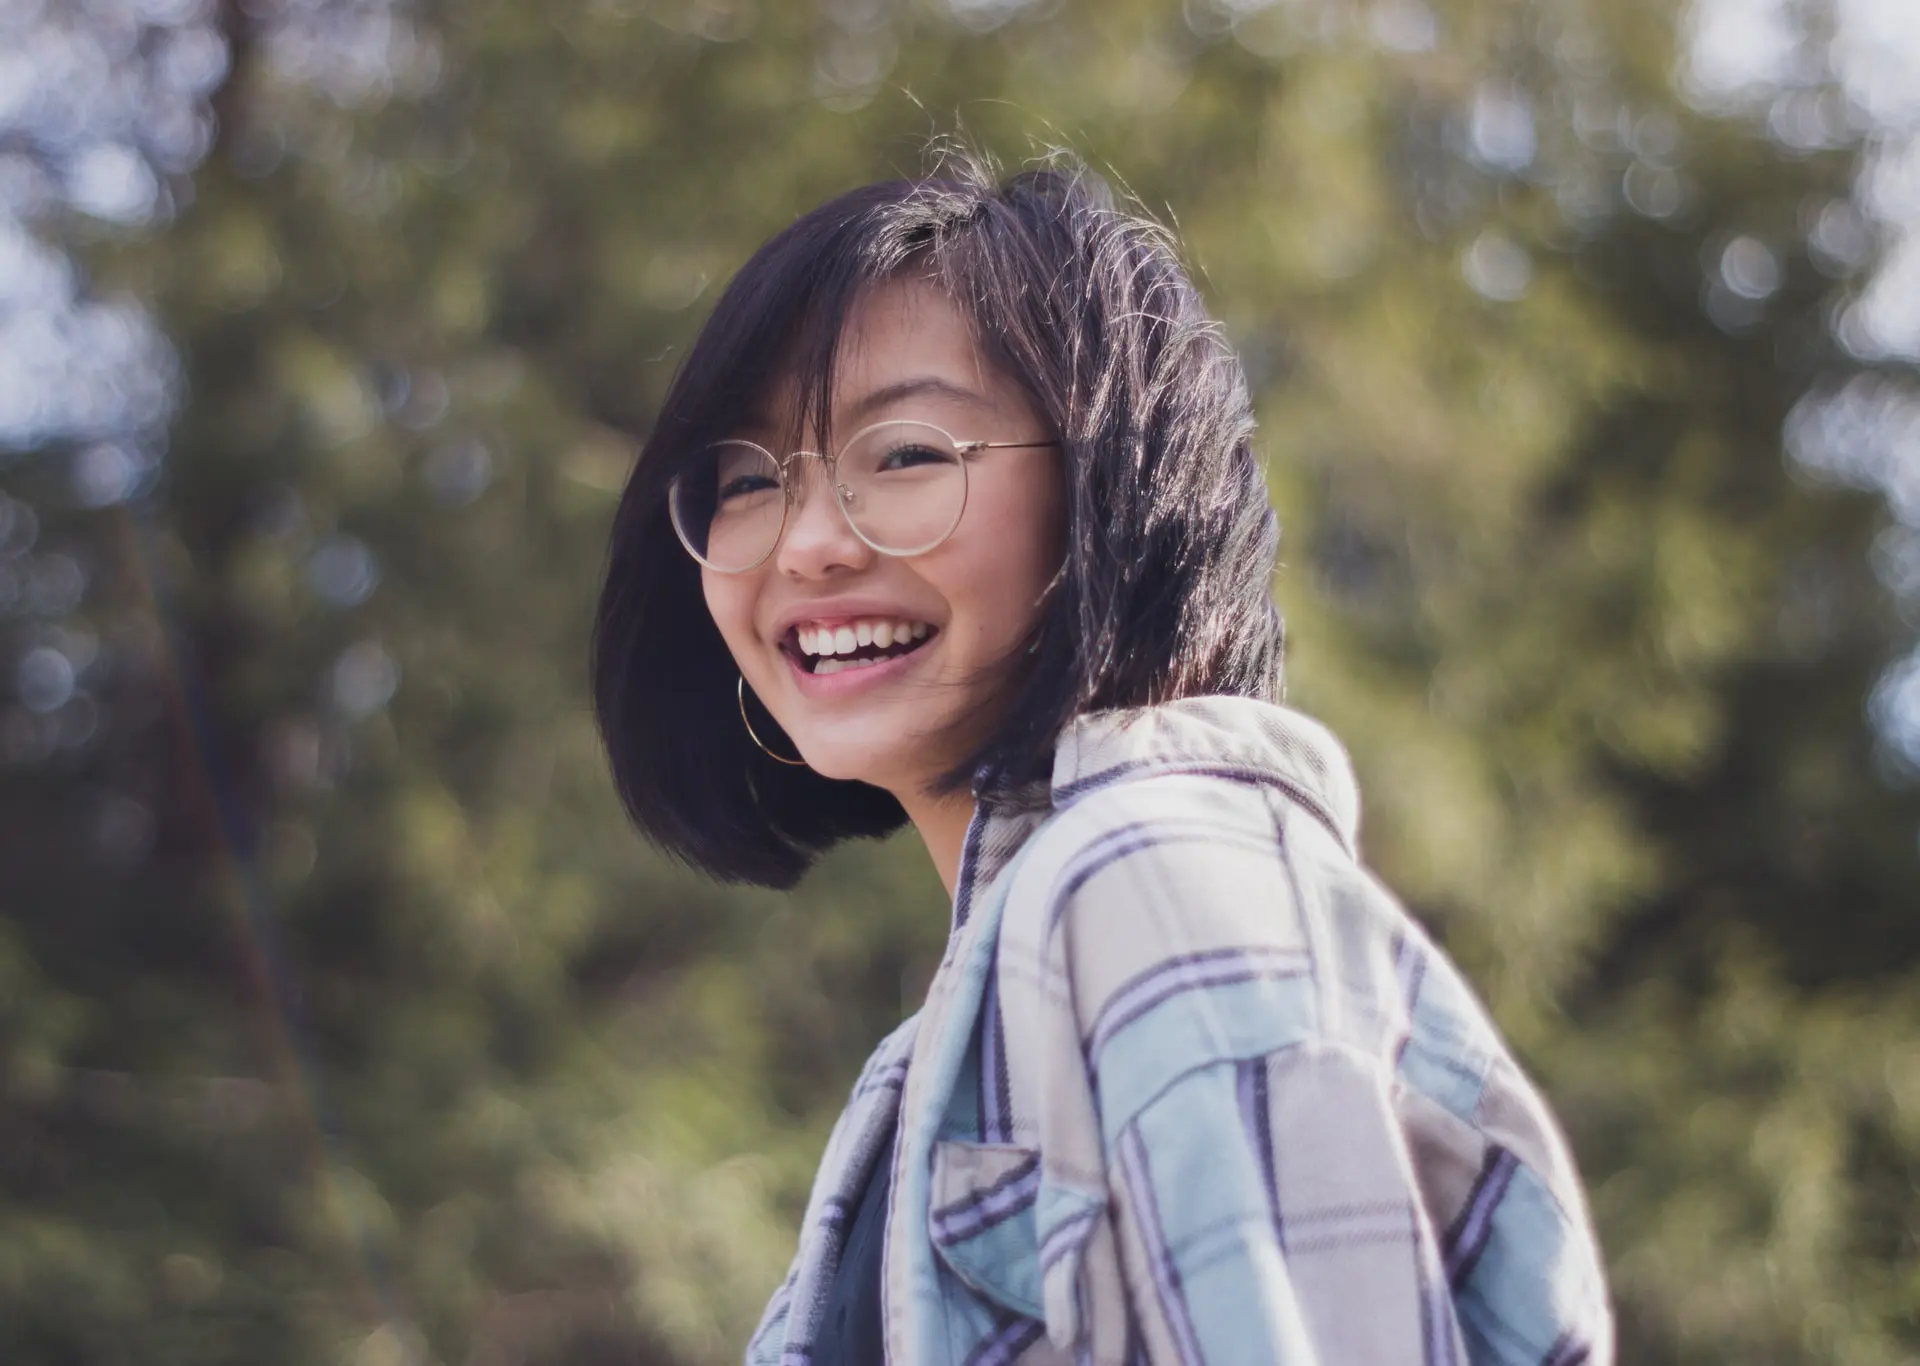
1171	541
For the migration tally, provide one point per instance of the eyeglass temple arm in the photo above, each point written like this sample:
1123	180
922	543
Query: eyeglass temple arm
964	446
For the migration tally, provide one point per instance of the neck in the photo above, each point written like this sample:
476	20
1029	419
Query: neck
942	823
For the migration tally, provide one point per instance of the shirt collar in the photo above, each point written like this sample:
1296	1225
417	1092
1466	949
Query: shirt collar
1236	737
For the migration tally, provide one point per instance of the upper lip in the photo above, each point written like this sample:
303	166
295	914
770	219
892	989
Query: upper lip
838	610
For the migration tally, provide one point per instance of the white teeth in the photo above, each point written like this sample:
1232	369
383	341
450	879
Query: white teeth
827	641
834	666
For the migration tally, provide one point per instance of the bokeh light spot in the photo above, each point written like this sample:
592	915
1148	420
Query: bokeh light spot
457	472
363	679
1895	709
343	571
1749	268
1497	267
106	473
1403	26
112	181
1500	129
44	679
19	527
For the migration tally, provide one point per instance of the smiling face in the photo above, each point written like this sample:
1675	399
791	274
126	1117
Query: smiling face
883	668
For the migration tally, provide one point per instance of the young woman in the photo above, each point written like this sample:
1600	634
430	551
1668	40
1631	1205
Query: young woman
951	516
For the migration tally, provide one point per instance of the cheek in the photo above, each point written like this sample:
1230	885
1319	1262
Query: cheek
1050	504
1030	517
730	601
1012	556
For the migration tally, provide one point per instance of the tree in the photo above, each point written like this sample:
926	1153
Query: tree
343	1017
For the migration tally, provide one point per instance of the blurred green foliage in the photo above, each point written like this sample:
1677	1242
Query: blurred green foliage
343	1020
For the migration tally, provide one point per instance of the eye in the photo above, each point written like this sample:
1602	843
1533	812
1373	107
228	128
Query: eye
911	453
745	485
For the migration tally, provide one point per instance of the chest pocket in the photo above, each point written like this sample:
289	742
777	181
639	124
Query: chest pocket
1009	1236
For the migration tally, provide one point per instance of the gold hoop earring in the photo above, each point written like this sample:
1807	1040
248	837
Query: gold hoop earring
740	691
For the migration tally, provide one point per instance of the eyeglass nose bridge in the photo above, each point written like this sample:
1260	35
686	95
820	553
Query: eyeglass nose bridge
845	498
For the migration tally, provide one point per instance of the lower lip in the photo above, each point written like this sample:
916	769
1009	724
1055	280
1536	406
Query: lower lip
847	682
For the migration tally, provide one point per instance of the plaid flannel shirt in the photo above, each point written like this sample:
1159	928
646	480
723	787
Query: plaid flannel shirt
1191	1086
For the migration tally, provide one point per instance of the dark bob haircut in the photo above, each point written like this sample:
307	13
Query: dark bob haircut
1171	542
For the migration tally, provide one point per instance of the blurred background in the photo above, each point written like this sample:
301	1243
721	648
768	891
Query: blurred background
342	1018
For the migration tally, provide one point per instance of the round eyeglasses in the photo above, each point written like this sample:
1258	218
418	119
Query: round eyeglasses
901	486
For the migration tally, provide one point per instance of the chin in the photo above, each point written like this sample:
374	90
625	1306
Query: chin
888	766
847	763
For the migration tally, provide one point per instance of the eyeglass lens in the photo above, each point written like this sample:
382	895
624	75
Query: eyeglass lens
902	486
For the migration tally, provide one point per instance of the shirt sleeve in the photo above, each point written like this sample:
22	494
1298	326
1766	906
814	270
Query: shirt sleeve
1263	1193
1265	1212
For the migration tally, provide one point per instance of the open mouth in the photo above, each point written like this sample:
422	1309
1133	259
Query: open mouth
855	644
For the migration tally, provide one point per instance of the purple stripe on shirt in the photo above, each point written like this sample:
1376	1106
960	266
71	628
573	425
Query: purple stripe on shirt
1467	1239
1567	1350
1069	1235
892	1076
1006	1342
1410	966
1188	972
969	866
777	1306
1138	1176
982	1210
1236	773
1134	837
1436	1305
1002	1077
1257	1115
1380	1222
995	1103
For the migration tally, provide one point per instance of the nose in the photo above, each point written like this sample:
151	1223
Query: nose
817	538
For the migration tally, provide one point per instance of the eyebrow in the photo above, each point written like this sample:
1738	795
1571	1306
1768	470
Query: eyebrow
919	386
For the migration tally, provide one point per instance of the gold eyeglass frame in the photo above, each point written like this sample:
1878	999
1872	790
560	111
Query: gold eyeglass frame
840	491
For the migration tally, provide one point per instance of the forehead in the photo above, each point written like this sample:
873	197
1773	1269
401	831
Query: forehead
900	327
903	348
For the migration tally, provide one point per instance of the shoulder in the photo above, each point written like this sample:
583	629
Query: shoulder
1216	917
1177	863
1133	843
1181	920
1167	805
